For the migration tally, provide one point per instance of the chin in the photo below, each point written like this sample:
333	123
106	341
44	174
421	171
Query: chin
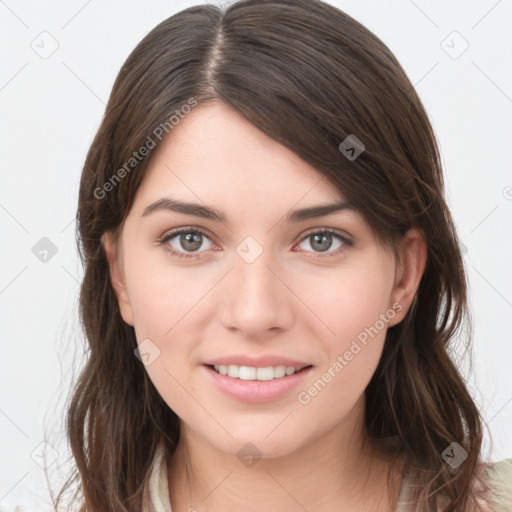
253	444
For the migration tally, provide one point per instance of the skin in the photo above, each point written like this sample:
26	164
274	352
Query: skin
293	300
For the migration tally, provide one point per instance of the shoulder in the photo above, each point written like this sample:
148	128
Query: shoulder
495	483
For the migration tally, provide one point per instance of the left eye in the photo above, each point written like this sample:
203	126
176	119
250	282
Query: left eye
192	240
322	241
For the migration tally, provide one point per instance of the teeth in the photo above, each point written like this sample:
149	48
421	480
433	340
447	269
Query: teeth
251	373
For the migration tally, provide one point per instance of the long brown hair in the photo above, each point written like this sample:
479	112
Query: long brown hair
309	76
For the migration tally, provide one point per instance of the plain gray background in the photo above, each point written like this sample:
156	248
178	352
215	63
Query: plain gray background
456	53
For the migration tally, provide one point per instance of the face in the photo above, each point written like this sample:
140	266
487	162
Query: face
253	283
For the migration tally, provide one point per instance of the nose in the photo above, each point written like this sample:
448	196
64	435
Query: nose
255	298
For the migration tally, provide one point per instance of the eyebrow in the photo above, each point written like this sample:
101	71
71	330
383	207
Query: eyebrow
207	212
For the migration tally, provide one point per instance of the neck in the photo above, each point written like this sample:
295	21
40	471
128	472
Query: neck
339	472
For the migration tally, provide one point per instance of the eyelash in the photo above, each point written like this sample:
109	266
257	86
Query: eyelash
183	255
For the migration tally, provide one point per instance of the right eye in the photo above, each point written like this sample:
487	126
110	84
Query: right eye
184	242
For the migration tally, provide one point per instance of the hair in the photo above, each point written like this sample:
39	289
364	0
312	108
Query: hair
307	75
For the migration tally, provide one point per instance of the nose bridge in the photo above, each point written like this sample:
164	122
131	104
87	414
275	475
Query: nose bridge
256	300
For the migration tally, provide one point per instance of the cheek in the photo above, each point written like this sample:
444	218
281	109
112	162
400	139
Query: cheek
352	300
163	297
356	309
351	359
166	304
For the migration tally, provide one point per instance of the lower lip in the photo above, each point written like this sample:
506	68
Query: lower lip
256	391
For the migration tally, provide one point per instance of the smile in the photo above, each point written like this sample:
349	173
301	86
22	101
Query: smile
252	373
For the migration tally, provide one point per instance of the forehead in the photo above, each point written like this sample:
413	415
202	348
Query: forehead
215	155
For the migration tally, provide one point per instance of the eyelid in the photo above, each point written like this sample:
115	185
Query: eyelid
176	231
340	232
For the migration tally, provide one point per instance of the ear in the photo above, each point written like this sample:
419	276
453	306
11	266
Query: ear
112	250
410	268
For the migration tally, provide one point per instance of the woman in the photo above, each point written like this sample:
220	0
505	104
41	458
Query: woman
272	280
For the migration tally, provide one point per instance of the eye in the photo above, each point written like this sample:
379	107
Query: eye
322	241
182	242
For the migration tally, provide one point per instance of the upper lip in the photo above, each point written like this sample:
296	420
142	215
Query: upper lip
256	362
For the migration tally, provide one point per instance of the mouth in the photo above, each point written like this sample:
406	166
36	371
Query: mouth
252	373
257	384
